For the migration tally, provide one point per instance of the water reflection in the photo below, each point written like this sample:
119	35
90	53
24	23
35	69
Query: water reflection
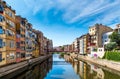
58	68
89	71
61	69
37	72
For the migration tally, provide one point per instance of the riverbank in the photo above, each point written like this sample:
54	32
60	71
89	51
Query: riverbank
111	66
19	66
105	63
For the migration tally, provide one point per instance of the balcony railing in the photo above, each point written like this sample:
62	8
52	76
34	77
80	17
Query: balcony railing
92	44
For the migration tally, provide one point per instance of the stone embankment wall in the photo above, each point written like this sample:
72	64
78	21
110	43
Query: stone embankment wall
25	64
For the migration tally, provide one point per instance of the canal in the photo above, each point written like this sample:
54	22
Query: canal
57	68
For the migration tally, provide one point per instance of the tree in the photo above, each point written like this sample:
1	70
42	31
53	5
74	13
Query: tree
115	37
62	48
110	46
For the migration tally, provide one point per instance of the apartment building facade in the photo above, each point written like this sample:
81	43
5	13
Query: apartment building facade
35	44
7	34
28	41
18	41
84	41
50	45
96	33
76	45
117	29
20	38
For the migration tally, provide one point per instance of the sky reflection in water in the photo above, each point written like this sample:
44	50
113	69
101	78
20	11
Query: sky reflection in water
61	71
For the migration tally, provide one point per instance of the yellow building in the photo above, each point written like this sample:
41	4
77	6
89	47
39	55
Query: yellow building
40	42
7	34
35	44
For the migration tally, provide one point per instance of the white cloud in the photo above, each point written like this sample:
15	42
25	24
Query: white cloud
75	10
93	8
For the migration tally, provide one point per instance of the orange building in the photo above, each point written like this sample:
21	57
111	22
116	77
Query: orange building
20	38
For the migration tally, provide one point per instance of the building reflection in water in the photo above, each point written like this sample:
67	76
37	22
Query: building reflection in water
89	71
37	72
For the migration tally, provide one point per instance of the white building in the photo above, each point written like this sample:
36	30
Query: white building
118	28
99	52
105	38
81	47
76	45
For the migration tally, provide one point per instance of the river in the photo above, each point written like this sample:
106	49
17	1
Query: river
57	68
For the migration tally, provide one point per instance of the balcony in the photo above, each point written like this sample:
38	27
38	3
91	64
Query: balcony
10	37
22	32
92	44
18	50
3	24
23	45
9	15
3	36
10	34
10	27
3	49
29	50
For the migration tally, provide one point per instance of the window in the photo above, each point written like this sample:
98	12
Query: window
105	40
22	48
1	30
22	55
4	44
1	18
10	33
1	8
12	56
10	23
23	23
11	44
18	45
1	42
0	57
17	54
9	13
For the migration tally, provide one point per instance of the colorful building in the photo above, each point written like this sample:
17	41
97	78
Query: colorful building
50	45
76	45
96	33
35	44
66	48
20	38
40	42
84	44
18	41
7	34
28	41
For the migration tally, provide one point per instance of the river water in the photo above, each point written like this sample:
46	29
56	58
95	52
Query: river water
58	68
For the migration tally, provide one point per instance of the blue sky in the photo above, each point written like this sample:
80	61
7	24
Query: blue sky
64	20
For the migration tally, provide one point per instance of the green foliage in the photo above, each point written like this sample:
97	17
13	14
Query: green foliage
62	48
115	37
62	54
110	46
95	49
111	55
